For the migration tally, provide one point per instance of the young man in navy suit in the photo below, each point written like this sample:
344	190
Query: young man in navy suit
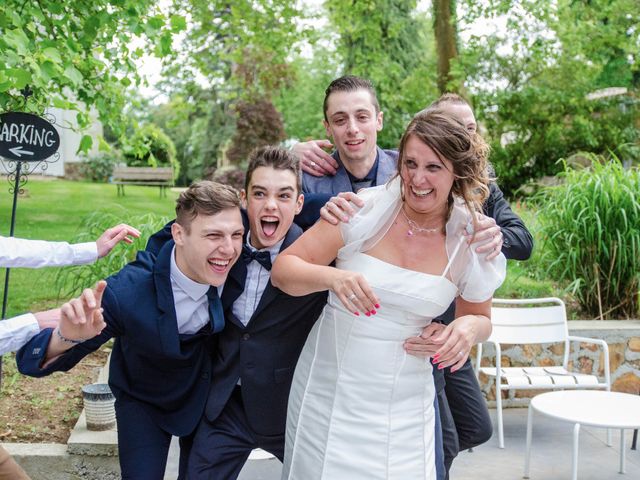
163	311
256	354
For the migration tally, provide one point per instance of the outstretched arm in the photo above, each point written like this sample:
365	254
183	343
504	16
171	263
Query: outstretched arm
303	268
80	320
114	235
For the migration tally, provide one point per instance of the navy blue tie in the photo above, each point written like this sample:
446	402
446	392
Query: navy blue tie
216	315
263	257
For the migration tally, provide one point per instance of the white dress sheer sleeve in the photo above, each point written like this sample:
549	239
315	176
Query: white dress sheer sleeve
476	277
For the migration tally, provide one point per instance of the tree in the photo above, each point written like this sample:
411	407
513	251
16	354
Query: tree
384	41
151	147
300	101
200	124
533	83
77	55
242	45
258	124
445	32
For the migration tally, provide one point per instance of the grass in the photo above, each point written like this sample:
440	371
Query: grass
529	279
53	210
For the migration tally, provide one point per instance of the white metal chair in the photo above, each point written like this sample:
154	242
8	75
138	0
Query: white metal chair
530	321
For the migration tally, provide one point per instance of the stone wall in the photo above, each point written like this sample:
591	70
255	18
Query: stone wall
623	338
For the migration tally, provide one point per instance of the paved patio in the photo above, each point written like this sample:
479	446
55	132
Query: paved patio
550	459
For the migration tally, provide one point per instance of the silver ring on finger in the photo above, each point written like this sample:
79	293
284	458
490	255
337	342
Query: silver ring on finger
352	297
460	354
313	164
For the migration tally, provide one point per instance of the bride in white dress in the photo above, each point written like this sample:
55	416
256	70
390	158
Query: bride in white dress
360	408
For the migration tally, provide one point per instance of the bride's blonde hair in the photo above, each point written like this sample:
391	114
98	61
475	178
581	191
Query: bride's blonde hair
466	151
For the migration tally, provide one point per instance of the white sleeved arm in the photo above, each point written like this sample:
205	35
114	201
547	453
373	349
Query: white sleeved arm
482	277
476	277
16	331
19	252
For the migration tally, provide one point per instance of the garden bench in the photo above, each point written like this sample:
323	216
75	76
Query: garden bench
148	176
531	321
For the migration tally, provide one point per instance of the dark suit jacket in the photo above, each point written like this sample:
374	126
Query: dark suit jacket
151	363
264	353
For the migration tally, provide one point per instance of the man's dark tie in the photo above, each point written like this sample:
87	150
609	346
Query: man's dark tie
263	257
216	315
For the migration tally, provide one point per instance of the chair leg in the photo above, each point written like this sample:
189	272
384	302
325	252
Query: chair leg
634	443
499	414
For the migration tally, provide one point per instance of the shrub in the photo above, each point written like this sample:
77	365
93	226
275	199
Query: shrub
149	146
591	231
99	168
71	280
258	123
531	128
230	176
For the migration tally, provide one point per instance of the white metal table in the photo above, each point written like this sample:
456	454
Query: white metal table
592	408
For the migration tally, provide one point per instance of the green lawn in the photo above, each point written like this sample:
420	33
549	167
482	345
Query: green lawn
529	279
54	210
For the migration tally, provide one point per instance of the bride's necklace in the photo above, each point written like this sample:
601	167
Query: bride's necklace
415	228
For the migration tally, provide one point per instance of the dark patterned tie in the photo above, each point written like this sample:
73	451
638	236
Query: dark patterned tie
263	257
216	315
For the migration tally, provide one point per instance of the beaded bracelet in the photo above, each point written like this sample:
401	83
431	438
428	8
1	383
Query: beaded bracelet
65	339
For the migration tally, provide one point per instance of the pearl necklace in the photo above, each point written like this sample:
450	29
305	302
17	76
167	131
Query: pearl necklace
414	227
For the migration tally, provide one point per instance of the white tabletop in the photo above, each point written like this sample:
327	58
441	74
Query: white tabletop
594	408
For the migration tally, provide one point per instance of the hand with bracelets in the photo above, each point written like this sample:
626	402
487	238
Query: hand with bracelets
80	318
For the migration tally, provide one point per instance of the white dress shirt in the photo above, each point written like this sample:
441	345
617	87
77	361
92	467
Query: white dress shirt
16	331
19	252
256	282
190	299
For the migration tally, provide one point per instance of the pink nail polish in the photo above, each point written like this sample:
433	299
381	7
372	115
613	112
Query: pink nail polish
357	314
440	367
453	370
373	312
368	314
377	306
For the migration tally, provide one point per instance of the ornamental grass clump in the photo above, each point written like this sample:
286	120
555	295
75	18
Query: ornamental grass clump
591	237
70	281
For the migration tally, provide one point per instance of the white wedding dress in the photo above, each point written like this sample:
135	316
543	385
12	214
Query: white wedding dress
360	408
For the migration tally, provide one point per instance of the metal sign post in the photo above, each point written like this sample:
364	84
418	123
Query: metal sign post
26	140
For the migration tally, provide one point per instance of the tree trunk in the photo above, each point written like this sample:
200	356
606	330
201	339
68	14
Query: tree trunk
444	27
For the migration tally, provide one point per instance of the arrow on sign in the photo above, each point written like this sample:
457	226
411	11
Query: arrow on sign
18	151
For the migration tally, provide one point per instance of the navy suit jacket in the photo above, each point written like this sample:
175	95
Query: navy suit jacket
166	372
265	352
